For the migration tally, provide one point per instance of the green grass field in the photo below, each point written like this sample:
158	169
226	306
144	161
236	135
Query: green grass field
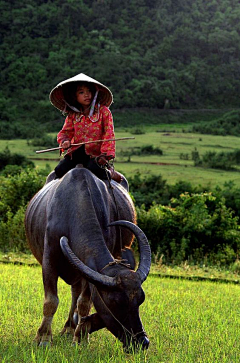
185	321
172	139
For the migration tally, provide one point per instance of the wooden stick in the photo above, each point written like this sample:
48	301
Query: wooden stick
83	143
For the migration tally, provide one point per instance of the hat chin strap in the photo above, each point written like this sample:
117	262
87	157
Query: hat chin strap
93	104
72	107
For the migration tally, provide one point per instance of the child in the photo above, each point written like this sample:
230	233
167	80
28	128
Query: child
86	102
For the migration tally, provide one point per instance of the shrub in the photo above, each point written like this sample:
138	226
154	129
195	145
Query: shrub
45	140
7	158
145	150
153	188
15	193
19	130
227	124
184	156
12	232
193	226
137	131
231	195
150	150
147	189
200	226
11	170
17	190
214	160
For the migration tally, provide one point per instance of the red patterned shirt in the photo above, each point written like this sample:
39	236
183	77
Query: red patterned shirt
79	128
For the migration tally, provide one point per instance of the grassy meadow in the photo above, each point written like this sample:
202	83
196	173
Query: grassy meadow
173	140
186	322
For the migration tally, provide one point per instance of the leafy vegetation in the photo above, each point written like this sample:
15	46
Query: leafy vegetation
141	151
212	159
154	189
227	124
7	159
137	120
45	140
15	193
151	188
153	54
197	227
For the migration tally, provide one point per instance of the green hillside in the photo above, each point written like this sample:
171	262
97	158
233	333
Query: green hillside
155	54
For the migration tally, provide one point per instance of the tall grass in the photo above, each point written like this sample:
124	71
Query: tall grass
185	321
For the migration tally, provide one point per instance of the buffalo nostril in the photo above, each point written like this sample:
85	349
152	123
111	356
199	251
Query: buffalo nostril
133	345
144	343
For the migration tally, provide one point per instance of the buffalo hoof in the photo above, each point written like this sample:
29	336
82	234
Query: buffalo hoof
68	331
82	339
44	345
75	318
43	340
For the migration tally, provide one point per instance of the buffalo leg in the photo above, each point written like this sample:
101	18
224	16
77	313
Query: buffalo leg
70	325
83	307
50	277
92	323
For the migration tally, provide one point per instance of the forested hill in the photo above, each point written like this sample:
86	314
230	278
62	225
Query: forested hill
146	51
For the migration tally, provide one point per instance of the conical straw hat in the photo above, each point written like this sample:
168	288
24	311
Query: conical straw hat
105	97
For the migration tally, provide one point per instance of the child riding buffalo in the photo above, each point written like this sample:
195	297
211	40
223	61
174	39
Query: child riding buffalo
86	103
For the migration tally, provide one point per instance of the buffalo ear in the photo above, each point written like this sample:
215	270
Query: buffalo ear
144	248
127	254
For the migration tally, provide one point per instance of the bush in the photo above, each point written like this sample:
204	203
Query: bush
15	193
214	160
20	130
12	232
17	190
45	140
199	227
147	189
195	226
6	158
150	150
145	150
137	131
151	188
11	170
227	124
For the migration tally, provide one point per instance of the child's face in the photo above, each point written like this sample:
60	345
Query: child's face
84	96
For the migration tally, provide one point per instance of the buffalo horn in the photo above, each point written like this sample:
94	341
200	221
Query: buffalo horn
91	275
144	248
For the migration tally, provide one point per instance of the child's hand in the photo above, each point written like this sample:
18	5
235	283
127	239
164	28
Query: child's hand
66	144
102	160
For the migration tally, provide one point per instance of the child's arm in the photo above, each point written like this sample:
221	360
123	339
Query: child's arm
67	132
108	147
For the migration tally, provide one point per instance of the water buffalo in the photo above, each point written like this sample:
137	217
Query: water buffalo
73	229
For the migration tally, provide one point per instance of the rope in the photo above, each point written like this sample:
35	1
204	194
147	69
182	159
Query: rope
117	262
120	262
113	195
105	167
134	336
